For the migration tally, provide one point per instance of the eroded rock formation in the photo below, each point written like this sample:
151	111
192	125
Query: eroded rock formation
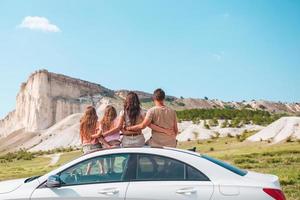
47	98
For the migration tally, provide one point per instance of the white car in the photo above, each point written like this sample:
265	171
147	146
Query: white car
145	174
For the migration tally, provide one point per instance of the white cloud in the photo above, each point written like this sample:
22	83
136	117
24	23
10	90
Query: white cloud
218	56
38	23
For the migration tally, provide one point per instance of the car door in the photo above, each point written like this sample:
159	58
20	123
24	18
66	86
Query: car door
162	178
98	178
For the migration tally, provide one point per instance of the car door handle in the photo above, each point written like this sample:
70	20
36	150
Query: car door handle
186	191
110	191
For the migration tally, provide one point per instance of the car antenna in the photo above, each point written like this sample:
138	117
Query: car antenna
193	149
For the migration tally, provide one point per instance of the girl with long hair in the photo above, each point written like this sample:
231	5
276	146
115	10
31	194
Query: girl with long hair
131	114
88	127
108	122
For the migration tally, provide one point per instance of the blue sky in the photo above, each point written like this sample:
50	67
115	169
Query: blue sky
230	50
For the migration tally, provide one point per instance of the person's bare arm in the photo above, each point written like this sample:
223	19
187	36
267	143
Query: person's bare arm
127	132
98	131
175	126
146	122
103	142
81	138
117	128
161	129
96	135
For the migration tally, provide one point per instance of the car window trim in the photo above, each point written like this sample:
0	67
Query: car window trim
132	177
43	185
226	166
185	170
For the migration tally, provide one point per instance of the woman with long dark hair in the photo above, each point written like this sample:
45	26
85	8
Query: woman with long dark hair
131	115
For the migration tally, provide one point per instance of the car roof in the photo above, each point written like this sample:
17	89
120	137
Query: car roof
144	149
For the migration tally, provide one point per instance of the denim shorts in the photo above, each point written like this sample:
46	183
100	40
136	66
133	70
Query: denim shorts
133	141
89	148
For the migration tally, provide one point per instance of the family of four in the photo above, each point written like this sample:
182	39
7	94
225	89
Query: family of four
125	130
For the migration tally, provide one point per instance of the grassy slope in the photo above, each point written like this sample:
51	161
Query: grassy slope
21	168
282	160
36	166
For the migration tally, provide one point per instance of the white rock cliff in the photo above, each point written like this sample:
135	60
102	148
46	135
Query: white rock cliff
46	98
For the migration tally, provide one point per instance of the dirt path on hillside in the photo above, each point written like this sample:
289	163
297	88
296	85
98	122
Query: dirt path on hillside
54	158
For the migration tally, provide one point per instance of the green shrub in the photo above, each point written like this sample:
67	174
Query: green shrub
259	117
289	139
206	125
22	154
287	181
243	136
213	122
225	124
216	135
180	104
274	160
248	106
244	160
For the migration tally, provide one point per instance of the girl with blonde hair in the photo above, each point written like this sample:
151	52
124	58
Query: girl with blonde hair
108	122
88	127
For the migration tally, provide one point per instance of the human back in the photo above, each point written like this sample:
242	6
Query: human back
88	127
107	123
132	114
164	117
162	120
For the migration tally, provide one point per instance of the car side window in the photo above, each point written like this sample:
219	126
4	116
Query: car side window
110	168
193	174
153	167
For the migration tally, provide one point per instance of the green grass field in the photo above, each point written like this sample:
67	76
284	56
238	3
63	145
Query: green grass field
282	160
37	166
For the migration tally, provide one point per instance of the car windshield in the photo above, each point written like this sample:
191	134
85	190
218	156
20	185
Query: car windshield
226	165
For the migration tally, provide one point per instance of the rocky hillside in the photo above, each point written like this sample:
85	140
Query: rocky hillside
284	129
47	99
191	103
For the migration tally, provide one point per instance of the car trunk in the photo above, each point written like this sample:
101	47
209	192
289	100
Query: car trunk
264	178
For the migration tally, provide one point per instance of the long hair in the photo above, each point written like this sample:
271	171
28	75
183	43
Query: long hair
132	107
88	122
110	114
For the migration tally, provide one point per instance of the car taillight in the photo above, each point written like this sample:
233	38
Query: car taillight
275	193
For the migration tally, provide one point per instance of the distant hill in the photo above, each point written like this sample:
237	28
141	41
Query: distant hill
48	101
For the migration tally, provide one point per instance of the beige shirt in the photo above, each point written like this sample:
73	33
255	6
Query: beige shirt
164	117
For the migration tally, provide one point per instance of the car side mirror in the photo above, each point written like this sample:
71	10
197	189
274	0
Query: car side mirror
53	181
